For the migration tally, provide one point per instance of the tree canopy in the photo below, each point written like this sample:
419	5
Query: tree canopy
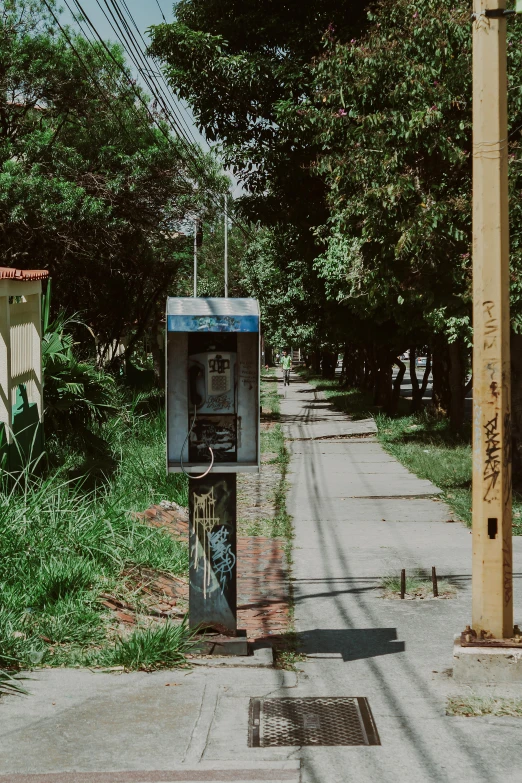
239	65
92	185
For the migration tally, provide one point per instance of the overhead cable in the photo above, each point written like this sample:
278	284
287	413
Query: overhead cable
174	125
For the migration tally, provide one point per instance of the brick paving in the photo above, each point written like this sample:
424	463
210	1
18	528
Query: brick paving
160	776
263	595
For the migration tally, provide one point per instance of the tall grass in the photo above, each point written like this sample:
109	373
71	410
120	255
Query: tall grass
61	544
151	648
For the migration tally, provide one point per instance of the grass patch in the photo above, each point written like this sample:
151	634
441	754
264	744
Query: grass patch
417	587
355	402
61	545
287	654
273	446
10	684
473	706
152	648
427	447
423	443
273	441
270	405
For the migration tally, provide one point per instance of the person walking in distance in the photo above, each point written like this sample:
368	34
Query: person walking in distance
286	364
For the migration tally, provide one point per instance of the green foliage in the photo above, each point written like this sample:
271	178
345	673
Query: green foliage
61	545
393	113
245	70
278	274
211	259
77	396
239	66
89	188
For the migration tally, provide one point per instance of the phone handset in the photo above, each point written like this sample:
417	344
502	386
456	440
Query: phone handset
196	375
196	372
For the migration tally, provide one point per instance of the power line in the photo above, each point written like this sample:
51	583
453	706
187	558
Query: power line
129	14
185	142
126	46
161	10
165	92
100	90
87	69
132	86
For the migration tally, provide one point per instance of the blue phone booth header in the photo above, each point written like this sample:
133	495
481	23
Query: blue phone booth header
212	377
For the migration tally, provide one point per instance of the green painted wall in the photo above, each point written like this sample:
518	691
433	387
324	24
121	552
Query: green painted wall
3	447
28	443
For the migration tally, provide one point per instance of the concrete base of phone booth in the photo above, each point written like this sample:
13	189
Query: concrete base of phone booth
220	644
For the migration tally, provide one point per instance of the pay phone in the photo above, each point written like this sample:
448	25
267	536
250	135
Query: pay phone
212	385
212	395
212	381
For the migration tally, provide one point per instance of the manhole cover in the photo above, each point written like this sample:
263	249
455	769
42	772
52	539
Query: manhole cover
345	720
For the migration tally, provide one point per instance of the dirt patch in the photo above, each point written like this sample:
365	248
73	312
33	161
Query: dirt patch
151	597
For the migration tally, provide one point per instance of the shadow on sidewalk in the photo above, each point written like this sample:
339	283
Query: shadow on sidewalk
352	643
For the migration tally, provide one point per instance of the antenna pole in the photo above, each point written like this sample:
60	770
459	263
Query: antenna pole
195	257
226	246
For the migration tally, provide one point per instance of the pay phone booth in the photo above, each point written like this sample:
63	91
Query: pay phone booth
212	434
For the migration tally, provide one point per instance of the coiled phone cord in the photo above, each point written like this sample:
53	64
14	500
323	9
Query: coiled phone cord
183	448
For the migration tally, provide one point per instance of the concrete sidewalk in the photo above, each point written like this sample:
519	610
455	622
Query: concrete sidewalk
360	515
80	726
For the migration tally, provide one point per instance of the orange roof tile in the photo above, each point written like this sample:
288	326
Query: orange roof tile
8	273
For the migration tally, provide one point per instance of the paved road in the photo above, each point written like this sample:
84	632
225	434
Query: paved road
359	515
406	382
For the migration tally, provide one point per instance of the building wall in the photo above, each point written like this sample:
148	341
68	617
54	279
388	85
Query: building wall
21	410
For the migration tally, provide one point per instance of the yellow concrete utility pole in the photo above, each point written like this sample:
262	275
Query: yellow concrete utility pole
492	525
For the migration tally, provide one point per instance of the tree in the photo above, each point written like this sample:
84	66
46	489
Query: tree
211	257
393	112
245	68
240	65
90	187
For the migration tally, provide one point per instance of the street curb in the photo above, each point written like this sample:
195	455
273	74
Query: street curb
263	658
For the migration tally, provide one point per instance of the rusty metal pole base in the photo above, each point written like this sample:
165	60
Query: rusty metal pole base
470	638
221	644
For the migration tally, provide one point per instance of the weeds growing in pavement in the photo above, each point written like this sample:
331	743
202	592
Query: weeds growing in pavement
287	652
474	706
273	441
417	586
270	407
10	684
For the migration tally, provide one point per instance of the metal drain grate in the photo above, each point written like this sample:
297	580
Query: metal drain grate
345	720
